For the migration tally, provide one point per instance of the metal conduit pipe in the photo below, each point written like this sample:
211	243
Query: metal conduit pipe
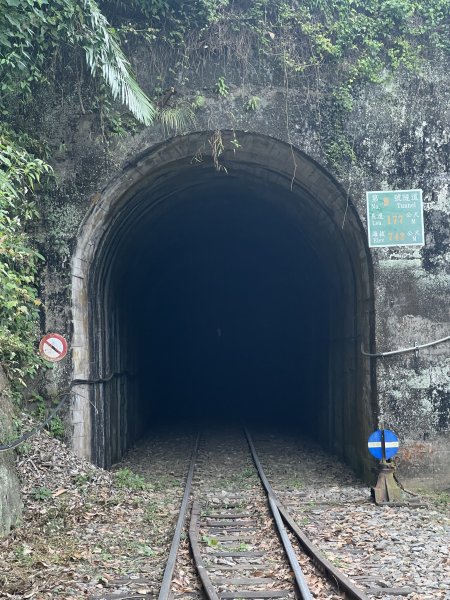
414	348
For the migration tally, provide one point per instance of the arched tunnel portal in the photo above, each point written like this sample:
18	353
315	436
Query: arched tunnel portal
240	290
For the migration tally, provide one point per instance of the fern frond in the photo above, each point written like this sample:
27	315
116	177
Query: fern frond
104	54
176	118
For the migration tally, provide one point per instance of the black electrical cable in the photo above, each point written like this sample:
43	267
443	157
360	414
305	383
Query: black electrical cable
26	436
65	395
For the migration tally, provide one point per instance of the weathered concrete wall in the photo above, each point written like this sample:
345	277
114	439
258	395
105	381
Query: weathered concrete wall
399	134
10	501
410	150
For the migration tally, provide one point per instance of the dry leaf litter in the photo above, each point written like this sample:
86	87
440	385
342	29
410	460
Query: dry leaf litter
389	552
86	531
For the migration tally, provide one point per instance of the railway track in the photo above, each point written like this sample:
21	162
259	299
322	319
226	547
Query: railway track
244	543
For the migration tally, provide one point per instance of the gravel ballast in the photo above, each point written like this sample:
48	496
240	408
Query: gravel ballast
85	530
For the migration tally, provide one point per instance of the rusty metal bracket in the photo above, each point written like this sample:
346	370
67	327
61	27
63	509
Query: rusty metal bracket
386	490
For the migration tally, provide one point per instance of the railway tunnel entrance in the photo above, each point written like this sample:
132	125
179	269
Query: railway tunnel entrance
205	294
241	305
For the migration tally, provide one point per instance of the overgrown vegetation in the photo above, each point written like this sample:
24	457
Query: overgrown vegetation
20	173
365	39
125	478
330	47
68	42
35	35
439	499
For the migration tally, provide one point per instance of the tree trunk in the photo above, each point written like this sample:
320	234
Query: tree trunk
10	500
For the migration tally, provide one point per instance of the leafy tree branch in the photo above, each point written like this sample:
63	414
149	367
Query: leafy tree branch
34	34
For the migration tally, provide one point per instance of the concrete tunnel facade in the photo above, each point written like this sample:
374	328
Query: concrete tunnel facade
238	290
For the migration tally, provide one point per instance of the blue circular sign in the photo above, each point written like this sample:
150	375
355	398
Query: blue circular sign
383	441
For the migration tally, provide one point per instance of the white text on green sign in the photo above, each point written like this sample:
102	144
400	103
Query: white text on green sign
395	218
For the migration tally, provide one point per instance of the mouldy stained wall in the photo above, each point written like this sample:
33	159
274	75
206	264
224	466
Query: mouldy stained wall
399	134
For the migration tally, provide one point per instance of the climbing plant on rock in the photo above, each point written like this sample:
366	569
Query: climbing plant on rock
20	172
345	43
366	38
45	42
34	37
34	32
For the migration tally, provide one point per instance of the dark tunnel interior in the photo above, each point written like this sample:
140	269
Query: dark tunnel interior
225	306
210	296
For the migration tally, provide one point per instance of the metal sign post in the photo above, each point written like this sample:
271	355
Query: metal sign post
383	444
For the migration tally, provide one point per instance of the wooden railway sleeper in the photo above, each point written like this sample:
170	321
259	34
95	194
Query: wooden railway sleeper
213	581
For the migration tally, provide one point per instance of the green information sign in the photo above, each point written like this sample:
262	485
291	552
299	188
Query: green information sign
395	218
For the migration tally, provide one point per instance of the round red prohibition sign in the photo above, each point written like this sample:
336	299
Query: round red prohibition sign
53	347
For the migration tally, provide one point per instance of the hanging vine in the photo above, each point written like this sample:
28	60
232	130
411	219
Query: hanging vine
44	43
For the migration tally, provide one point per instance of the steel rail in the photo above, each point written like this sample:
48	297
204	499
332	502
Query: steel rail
194	528
164	591
290	553
333	574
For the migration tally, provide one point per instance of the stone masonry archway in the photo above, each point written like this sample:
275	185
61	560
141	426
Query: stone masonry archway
193	287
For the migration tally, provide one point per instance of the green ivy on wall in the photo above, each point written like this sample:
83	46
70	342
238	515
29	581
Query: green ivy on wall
20	172
367	39
34	35
357	41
